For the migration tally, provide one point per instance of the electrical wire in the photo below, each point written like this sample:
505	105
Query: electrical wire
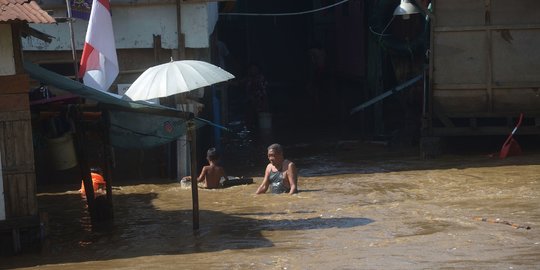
284	14
144	134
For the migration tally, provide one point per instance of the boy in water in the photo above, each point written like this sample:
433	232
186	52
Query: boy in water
212	173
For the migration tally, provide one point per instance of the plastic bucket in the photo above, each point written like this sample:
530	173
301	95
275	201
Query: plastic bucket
265	120
62	152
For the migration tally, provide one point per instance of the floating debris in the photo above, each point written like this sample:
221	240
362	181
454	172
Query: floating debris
498	220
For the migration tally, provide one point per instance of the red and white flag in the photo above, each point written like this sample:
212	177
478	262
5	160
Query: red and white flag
99	64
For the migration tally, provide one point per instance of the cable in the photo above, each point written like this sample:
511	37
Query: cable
284	14
144	134
388	24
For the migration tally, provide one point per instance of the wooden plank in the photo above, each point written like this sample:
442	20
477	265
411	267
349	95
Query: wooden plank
9	143
515	56
515	12
3	144
492	114
467	28
24	148
17	204
17	144
32	206
523	100
19	222
10	191
14	84
22	195
461	58
18	169
469	12
482	131
15	115
17	47
14	102
496	85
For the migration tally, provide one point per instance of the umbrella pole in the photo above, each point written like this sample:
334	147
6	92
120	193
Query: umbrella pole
194	186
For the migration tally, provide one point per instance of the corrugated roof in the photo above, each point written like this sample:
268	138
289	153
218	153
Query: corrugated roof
23	10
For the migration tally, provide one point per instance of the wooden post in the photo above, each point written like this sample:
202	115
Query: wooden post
83	165
107	170
194	187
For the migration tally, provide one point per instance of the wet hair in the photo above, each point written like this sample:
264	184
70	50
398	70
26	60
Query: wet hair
276	147
212	154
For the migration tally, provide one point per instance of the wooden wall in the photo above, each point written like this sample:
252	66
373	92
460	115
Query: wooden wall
16	147
485	64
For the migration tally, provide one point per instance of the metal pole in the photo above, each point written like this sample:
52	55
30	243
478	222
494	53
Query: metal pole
194	186
72	35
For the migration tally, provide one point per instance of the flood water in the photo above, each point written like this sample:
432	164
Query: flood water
361	206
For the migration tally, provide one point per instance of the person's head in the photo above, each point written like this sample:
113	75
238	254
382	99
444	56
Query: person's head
275	154
212	154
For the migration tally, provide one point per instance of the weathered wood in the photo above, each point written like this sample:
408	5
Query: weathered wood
84	168
19	222
484	62
18	163
108	157
23	209
14	84
459	12
14	102
484	27
492	115
12	201
14	116
496	85
482	131
17	143
31	194
17	47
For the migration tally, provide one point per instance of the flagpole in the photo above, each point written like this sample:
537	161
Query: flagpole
73	51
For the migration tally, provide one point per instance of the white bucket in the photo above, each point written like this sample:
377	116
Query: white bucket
265	120
62	152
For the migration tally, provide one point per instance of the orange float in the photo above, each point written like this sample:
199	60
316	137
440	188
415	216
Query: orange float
97	183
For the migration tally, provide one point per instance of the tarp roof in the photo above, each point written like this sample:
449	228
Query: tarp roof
52	78
150	125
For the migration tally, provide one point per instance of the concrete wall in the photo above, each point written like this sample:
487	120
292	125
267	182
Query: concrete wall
134	27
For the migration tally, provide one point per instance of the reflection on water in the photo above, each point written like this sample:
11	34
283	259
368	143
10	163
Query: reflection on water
353	212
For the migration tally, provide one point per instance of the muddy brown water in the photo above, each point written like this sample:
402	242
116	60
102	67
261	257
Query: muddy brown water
359	208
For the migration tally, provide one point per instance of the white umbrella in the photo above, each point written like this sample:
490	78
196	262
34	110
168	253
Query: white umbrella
174	78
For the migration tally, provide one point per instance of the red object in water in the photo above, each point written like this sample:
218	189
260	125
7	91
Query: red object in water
511	146
97	181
